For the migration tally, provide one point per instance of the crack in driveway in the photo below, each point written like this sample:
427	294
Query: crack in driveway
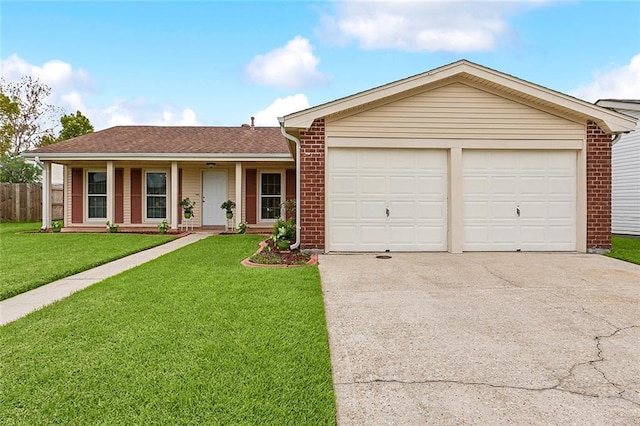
558	387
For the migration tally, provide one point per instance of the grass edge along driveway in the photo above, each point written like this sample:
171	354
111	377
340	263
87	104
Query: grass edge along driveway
190	338
29	259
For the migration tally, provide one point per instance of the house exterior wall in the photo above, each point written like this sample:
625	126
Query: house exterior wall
191	187
625	182
524	127
312	186
455	111
598	189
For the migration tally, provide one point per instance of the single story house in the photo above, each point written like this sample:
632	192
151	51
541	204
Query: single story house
625	172
459	158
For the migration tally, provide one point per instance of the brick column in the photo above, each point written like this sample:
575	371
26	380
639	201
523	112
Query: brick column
598	189
312	190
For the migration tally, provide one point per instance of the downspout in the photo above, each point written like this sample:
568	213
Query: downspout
296	141
44	176
616	138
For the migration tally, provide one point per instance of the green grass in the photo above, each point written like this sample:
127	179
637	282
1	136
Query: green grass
625	248
29	259
190	338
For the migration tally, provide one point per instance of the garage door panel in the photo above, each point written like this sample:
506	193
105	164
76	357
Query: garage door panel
344	185
431	210
344	210
562	210
373	234
475	210
372	185
399	185
371	209
504	185
533	185
561	185
501	210
435	186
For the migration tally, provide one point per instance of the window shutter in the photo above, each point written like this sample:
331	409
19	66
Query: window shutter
136	195
251	187
179	196
119	192
77	196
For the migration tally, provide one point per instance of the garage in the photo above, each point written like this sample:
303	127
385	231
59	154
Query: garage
387	199
519	200
458	158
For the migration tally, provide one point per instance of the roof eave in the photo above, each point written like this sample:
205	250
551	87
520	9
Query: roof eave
119	156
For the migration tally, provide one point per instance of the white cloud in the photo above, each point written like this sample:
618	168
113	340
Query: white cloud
453	26
71	89
127	112
617	82
281	107
290	67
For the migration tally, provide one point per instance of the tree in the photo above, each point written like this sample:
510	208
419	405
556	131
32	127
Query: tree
25	116
72	125
14	169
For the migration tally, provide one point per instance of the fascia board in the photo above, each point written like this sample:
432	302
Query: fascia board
157	157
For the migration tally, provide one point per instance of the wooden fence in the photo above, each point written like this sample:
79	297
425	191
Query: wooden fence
22	202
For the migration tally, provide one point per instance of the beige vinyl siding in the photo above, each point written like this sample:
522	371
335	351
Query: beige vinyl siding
625	174
455	111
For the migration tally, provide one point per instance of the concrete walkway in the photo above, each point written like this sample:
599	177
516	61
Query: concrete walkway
22	304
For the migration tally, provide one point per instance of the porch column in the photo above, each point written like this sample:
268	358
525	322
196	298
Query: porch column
174	195
46	195
456	219
238	193
111	192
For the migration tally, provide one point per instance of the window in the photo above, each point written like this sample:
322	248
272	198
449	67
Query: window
270	195
97	195
156	195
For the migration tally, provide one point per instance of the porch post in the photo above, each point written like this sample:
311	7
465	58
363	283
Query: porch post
174	195
238	193
46	195
111	192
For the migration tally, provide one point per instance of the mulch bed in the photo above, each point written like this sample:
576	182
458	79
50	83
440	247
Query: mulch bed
269	256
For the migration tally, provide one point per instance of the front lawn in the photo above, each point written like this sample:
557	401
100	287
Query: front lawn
29	259
190	338
625	248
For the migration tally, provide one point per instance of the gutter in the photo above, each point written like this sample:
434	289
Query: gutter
296	141
616	138
40	164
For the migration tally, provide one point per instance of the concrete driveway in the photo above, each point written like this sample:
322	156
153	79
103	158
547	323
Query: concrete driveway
484	338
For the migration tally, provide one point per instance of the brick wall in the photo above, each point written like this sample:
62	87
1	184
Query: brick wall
312	166
598	189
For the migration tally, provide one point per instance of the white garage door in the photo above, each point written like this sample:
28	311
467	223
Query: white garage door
387	199
519	200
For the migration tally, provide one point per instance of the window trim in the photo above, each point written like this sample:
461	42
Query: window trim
283	186
86	196
146	219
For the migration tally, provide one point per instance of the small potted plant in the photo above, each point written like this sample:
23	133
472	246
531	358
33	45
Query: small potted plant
56	226
163	226
228	206
112	227
187	207
242	228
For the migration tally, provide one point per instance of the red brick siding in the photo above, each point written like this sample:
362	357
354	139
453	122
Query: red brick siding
598	188
312	169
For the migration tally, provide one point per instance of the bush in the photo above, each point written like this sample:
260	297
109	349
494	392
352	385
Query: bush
14	169
284	230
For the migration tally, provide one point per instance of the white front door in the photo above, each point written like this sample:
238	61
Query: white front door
519	200
387	199
214	193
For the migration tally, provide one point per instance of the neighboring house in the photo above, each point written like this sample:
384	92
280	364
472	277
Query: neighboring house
625	171
135	176
460	158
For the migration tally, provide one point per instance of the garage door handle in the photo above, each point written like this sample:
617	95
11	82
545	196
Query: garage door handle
387	212
518	211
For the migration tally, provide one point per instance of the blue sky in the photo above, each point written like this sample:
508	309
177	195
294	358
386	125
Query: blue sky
218	63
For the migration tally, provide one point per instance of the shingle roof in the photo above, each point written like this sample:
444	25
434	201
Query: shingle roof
170	139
